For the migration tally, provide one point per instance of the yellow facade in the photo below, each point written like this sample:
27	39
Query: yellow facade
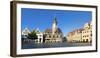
87	33
81	35
75	36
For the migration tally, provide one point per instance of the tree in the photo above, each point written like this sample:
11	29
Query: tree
32	35
64	39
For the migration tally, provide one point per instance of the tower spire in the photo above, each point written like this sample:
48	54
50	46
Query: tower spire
54	26
55	21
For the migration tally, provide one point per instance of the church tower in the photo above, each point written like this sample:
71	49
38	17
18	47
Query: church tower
54	26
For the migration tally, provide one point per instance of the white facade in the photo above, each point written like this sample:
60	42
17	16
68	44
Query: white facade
40	38
39	35
25	32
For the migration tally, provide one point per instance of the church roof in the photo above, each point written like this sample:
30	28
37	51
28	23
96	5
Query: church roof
58	30
48	30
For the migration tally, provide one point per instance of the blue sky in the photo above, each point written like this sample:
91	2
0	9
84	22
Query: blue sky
68	20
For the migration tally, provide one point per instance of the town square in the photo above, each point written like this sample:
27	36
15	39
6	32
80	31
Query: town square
55	36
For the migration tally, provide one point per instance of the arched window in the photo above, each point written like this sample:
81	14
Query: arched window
86	40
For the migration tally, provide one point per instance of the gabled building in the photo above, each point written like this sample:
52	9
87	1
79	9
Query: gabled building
75	36
39	36
87	33
81	35
53	34
25	32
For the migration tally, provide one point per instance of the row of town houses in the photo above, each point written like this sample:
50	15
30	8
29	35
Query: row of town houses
81	35
55	34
